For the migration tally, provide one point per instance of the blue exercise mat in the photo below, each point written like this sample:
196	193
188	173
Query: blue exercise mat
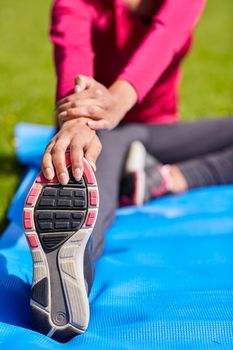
165	280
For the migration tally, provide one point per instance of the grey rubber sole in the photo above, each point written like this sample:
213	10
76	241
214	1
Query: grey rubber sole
58	222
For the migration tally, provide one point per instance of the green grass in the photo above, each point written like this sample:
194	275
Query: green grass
208	72
27	77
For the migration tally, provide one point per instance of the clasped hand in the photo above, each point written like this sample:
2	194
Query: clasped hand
90	108
92	103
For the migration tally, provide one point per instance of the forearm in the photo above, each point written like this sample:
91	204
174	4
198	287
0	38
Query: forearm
125	95
170	29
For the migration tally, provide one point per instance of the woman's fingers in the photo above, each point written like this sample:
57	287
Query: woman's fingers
93	90
74	97
79	109
82	92
58	158
80	138
89	111
76	156
77	103
47	164
93	151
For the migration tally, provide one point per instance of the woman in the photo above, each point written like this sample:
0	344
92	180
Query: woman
118	68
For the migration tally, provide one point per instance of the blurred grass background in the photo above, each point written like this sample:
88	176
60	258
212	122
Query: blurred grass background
27	77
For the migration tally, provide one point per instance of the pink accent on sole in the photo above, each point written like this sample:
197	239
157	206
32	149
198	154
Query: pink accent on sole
93	197
32	240
32	196
27	219
88	174
91	218
42	179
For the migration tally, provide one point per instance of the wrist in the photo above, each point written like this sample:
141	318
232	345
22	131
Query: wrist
124	94
77	123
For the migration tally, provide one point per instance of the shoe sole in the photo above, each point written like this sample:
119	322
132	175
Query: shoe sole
135	164
58	221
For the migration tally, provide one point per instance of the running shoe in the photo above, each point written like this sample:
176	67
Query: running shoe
143	177
58	221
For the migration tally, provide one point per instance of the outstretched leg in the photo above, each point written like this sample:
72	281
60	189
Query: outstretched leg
195	154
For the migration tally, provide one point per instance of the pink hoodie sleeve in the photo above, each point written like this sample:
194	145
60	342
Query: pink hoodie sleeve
71	35
171	27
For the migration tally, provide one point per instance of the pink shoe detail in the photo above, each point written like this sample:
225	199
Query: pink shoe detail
93	197
91	218
158	192
88	173
32	196
27	219
125	201
32	240
42	179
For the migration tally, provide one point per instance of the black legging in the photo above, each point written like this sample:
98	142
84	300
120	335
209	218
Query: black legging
203	150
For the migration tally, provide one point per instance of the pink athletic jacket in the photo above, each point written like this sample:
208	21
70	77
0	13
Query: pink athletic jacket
105	40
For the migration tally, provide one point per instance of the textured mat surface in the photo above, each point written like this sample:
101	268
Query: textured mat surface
165	280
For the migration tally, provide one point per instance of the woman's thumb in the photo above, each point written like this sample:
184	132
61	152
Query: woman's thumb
82	83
